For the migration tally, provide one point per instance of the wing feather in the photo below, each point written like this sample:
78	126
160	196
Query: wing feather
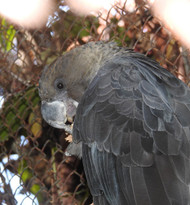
134	122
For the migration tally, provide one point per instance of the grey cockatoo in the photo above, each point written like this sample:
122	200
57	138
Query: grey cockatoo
132	123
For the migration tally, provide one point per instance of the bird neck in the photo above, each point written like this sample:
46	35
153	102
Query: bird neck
94	55
85	63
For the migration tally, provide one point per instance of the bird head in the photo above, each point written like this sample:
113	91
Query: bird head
64	82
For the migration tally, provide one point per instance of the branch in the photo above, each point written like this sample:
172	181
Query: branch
7	196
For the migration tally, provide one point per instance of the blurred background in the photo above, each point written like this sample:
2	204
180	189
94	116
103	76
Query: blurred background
33	166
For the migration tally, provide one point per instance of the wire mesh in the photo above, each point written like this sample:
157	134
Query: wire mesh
33	165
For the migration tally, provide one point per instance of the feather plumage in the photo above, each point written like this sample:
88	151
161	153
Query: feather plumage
133	122
134	125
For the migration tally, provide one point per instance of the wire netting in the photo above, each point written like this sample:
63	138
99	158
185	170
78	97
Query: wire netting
33	165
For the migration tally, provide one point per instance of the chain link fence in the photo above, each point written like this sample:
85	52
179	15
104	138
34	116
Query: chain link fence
33	166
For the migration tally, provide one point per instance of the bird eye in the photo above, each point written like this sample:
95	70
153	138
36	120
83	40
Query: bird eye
59	85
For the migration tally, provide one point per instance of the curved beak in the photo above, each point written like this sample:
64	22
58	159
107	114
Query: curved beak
56	112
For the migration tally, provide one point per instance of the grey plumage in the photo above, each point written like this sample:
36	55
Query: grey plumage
133	120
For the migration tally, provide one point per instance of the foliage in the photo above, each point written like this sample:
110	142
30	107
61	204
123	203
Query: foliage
17	109
7	35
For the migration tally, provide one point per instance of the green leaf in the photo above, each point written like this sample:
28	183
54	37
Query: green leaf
24	171
7	33
26	175
84	33
36	129
3	135
9	37
16	110
35	188
22	166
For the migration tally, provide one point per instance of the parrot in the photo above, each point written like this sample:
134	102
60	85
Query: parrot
131	123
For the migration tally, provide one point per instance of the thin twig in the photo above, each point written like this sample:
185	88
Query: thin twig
7	196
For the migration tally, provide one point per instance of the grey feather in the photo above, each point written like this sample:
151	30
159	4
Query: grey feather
146	121
133	121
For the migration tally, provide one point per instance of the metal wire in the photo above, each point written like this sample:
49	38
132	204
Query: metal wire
33	166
